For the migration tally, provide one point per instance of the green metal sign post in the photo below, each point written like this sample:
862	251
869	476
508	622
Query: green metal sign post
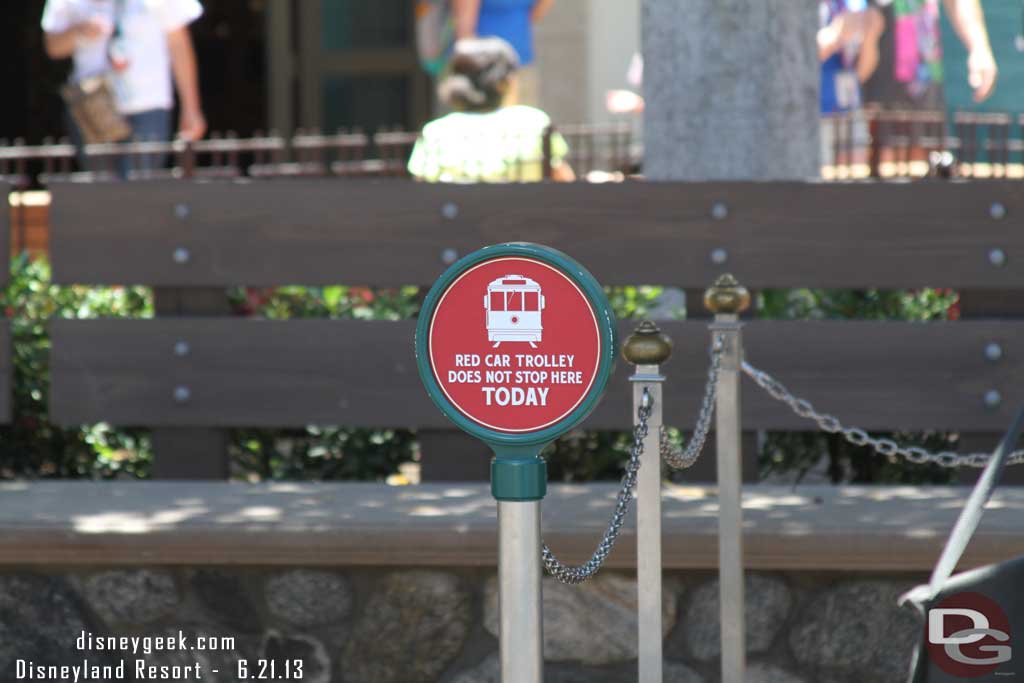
515	344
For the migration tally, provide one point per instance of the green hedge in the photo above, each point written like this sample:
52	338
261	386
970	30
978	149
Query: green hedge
32	447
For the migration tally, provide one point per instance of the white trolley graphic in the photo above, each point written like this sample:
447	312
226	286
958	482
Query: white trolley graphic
513	304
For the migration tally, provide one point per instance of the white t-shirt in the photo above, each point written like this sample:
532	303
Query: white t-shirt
146	83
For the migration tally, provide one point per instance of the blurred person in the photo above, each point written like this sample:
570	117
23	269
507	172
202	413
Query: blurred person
139	44
909	75
628	101
435	34
486	138
848	43
513	21
848	49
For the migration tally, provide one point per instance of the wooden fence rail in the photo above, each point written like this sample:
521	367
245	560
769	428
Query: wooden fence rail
380	232
262	373
6	358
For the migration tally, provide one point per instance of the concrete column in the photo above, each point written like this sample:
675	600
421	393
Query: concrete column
613	37
560	49
731	89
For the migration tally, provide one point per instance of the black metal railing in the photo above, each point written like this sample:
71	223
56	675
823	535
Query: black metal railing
872	143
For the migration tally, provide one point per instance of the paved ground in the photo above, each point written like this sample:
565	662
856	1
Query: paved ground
107	523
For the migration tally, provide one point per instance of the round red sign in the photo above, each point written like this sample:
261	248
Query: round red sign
514	345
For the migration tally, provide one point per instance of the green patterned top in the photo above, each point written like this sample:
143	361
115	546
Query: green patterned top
505	145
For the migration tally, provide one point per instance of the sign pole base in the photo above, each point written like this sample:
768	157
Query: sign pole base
518	473
519	570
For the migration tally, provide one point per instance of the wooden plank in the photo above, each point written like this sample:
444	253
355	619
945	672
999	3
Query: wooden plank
998	304
810	528
280	58
244	372
190	452
991	304
448	455
6	373
190	302
5	230
381	232
310	51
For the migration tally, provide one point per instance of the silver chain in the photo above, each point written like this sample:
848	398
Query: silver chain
859	437
576	575
681	459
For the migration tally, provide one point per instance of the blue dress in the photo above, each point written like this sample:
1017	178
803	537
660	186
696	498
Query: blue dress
839	65
510	20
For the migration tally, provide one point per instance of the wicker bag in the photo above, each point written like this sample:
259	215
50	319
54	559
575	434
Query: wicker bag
94	110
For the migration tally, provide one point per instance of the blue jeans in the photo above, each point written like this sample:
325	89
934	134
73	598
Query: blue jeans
153	125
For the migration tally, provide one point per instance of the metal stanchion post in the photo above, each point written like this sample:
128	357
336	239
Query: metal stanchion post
727	299
518	483
520	632
647	348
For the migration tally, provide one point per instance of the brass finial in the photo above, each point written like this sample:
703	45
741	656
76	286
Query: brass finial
647	345
727	296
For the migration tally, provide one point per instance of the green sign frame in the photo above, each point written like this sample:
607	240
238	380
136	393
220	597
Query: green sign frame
517	471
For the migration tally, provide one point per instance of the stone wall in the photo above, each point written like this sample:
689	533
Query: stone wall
407	625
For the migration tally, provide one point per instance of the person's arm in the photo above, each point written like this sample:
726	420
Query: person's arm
562	173
868	57
466	14
969	23
192	123
540	8
61	44
831	38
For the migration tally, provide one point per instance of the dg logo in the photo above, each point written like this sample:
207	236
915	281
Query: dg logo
968	635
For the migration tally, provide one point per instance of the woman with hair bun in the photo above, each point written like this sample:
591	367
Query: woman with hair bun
487	137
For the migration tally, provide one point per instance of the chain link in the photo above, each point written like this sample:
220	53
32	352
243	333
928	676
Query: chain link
575	575
681	459
859	437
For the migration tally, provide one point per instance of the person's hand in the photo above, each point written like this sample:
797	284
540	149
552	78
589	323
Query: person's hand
851	26
92	29
540	8
192	125
981	72
623	102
